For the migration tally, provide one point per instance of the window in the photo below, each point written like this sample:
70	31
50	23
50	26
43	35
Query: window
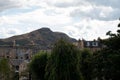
88	44
16	57
8	57
94	43
17	68
21	57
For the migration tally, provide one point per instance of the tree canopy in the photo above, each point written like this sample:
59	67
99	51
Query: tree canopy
37	66
64	62
4	69
107	61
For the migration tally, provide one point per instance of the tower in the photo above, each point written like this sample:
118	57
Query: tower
14	43
81	44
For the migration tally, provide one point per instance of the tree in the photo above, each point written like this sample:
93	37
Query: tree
86	64
63	63
107	61
107	64
114	40
37	66
15	76
4	69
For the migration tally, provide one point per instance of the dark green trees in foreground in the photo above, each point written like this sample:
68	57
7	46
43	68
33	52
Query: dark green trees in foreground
62	64
86	64
4	69
107	61
107	65
37	66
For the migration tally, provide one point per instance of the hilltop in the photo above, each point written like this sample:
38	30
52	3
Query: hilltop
43	37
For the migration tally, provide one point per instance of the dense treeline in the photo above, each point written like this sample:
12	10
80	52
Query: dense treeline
67	62
62	64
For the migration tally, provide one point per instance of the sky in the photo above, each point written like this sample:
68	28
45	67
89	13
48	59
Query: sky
80	19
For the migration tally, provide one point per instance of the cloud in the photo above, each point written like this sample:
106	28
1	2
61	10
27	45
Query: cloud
12	32
90	29
7	4
95	9
72	3
9	32
96	12
26	22
109	3
23	4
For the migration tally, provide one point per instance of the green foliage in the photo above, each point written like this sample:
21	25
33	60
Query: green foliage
86	64
4	69
107	61
107	64
4	66
63	63
114	40
37	66
15	76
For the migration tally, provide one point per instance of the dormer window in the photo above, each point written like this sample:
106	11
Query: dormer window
94	43
88	44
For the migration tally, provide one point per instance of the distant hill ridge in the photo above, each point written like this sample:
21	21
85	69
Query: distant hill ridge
43	37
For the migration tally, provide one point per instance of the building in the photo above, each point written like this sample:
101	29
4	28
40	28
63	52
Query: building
19	57
23	70
94	45
17	52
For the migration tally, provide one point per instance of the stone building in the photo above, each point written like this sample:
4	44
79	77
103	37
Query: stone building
94	45
16	52
19	56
